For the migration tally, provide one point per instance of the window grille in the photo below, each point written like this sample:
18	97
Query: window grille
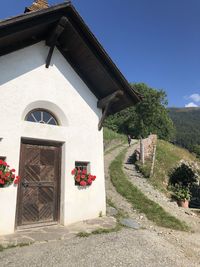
41	116
82	165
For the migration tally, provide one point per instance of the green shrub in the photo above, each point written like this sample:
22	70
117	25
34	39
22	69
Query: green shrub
185	174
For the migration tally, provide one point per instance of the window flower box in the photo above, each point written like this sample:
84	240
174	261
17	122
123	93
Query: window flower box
82	178
7	175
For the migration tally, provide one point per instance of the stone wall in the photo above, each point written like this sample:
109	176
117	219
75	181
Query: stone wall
148	144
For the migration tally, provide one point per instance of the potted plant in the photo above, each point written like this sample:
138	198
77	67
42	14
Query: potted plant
82	178
182	195
181	179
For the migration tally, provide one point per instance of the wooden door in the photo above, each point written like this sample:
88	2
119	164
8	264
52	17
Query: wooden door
39	189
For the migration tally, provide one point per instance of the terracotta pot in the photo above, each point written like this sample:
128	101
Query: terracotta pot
183	203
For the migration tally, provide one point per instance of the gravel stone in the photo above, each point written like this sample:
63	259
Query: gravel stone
130	223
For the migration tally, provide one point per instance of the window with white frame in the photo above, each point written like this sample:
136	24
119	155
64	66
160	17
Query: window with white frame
41	116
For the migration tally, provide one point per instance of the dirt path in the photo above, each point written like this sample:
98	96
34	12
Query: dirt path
187	243
171	206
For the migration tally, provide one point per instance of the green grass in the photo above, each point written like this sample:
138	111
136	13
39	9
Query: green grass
2	248
167	156
83	234
100	231
152	210
110	135
144	169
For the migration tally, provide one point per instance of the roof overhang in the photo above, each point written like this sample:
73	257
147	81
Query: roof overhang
77	44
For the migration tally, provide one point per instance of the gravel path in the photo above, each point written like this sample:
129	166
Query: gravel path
150	246
125	248
171	206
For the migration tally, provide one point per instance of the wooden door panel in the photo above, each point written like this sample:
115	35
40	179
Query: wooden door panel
31	173
47	173
30	214
30	205
32	155
47	156
39	187
47	203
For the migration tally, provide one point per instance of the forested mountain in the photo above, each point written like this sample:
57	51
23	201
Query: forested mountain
187	124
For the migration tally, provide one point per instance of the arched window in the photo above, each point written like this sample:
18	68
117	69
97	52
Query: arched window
41	116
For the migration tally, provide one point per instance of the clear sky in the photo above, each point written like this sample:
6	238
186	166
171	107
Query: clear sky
151	41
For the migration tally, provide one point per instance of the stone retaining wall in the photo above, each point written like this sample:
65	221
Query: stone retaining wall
148	144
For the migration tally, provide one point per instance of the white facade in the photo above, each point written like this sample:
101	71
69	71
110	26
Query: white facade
25	84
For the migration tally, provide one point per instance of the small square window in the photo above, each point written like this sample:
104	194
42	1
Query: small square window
82	165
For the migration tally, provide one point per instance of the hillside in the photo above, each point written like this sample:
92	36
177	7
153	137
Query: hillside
167	156
187	124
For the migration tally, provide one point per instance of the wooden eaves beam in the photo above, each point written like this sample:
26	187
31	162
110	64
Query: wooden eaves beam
52	40
105	104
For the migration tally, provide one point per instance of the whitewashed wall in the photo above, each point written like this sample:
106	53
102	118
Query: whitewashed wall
26	84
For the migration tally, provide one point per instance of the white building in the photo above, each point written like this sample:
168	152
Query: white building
55	81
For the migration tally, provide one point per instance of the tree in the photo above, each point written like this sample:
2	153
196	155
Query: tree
148	116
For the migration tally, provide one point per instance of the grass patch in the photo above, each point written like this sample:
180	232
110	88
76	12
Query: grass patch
100	231
2	248
109	135
152	210
83	234
106	231
167	156
144	169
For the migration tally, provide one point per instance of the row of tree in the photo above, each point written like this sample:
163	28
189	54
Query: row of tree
148	116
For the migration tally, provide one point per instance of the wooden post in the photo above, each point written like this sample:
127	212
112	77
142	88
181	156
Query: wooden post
141	151
153	161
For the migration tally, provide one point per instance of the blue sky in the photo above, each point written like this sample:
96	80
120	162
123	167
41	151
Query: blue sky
156	42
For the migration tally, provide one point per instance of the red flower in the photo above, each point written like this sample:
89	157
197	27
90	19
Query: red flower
93	177
83	176
13	176
84	172
89	181
13	170
78	179
4	163
7	174
16	181
83	183
2	181
73	172
1	162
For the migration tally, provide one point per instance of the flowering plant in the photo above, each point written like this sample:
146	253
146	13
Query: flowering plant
7	175
82	178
